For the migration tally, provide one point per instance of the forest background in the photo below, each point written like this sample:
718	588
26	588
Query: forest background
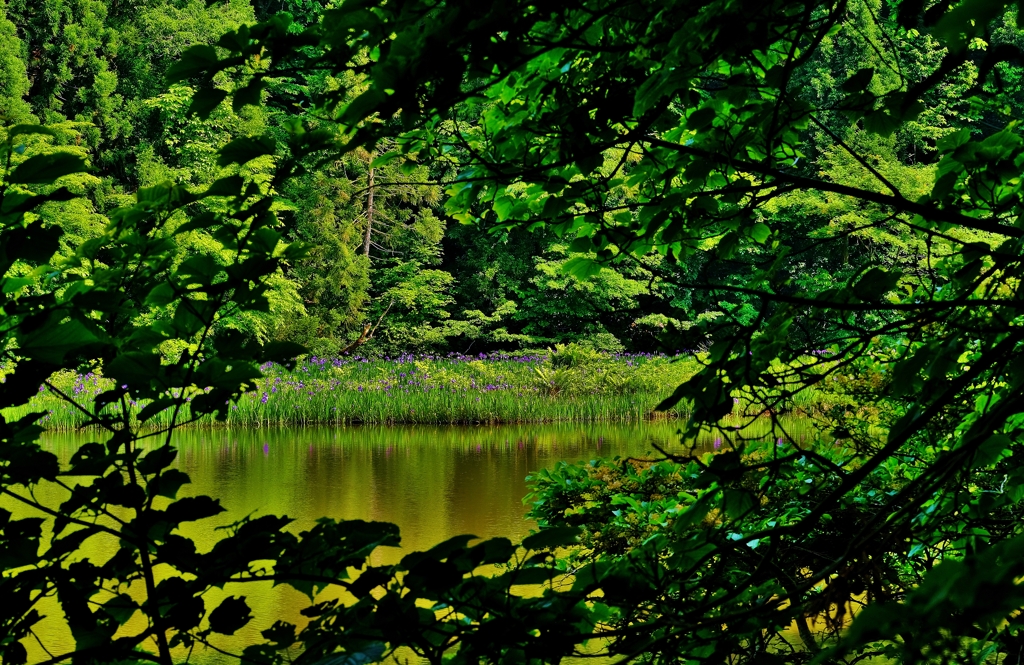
392	270
389	270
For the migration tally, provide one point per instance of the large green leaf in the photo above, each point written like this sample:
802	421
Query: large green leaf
195	60
46	169
246	149
55	340
205	101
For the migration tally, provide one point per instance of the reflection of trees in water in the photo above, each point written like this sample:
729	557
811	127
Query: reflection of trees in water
433	482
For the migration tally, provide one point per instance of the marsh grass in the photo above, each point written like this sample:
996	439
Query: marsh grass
439	390
561	386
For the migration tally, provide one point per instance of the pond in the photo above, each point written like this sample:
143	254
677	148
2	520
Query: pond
433	482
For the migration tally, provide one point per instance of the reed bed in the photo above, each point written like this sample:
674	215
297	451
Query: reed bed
436	390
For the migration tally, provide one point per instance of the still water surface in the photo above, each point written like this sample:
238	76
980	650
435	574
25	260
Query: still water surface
433	482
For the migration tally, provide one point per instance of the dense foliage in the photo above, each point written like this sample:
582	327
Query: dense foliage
818	193
380	272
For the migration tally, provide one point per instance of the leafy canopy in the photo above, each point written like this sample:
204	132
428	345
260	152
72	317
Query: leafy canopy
628	129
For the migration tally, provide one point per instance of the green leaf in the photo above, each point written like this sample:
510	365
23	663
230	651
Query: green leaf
53	342
737	502
363	106
229	186
281	633
246	149
495	550
193	508
195	60
158	459
23	130
121	607
168	483
903	423
874	284
14	203
953	140
91	459
701	118
590	163
33	242
205	101
581	267
161	294
728	244
583	245
537	575
202	268
967	19
19	541
551	538
15	284
859	81
881	122
46	169
760	232
991	450
247	96
134	368
281	352
440	551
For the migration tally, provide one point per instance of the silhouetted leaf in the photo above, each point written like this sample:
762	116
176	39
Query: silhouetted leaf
205	101
195	60
552	538
859	81
701	118
875	283
248	95
45	169
231	615
246	149
193	508
54	341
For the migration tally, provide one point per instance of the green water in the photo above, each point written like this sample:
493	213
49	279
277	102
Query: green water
433	482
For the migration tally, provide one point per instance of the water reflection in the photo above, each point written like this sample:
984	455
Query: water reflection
433	482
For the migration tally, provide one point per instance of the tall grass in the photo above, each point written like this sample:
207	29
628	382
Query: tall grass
565	386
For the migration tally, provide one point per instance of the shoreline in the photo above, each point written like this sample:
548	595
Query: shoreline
497	390
59	417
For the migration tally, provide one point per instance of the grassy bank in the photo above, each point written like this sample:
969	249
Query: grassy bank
570	385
